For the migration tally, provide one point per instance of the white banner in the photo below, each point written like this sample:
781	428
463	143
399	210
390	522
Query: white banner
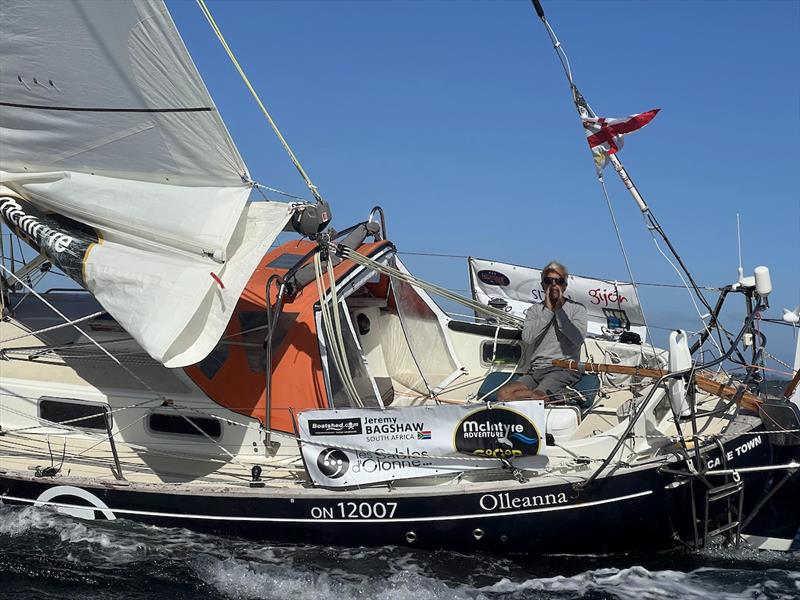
609	304
343	448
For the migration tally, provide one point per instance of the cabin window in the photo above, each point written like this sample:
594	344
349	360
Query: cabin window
426	341
180	425
212	363
505	353
285	261
253	324
74	413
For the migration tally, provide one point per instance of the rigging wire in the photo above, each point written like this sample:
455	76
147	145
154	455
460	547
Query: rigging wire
82	332
260	186
691	296
602	183
295	161
585	111
506	319
54	327
708	288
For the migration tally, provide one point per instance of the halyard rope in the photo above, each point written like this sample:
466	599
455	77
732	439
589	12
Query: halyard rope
334	336
502	317
602	183
207	13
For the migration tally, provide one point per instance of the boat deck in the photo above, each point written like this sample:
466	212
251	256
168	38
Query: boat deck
92	458
64	365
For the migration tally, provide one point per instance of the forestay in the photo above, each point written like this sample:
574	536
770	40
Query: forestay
106	121
609	304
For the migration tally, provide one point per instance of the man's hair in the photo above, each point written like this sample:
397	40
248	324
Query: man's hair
554	265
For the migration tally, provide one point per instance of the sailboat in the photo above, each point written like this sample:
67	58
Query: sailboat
312	391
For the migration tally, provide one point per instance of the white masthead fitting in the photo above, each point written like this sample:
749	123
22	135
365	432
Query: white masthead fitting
791	316
763	281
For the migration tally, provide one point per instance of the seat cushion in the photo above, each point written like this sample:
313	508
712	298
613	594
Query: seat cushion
495	380
587	388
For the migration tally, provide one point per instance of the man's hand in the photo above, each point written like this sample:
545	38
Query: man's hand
554	298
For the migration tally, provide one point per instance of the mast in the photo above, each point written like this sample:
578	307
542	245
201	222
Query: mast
585	111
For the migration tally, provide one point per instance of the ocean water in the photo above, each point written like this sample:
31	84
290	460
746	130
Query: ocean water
51	556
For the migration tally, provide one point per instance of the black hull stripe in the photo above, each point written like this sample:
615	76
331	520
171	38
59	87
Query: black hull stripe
109	110
290	520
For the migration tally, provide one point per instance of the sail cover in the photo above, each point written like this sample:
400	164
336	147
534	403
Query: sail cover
106	124
610	305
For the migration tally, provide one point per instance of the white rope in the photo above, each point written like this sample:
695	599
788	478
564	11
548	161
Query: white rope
491	369
260	186
207	13
333	336
501	316
492	391
339	336
328	326
780	362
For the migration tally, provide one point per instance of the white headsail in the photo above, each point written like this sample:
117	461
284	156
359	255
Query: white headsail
105	121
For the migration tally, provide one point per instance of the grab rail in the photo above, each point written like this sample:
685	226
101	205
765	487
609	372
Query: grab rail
383	220
640	411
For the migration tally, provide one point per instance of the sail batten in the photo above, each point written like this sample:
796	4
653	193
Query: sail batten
108	109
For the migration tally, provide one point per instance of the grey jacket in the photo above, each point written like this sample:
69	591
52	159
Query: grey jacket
554	335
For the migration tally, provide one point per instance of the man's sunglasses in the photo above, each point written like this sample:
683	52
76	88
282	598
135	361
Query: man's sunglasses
553	280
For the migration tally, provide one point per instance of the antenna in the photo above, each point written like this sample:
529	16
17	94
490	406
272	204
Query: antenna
749	281
739	246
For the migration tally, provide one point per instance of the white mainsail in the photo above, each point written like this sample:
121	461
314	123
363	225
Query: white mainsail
105	120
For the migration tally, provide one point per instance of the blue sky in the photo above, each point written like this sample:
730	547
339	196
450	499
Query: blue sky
456	118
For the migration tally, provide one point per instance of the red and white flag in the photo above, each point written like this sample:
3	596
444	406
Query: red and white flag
605	135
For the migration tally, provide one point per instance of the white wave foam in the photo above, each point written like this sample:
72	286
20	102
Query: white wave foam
247	580
110	545
16	521
637	583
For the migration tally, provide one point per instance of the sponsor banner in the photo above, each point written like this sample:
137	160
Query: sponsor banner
609	304
352	447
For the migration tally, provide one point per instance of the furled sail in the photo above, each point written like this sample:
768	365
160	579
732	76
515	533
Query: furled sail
106	128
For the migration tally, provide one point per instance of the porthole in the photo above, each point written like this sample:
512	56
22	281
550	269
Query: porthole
184	425
72	412
504	354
